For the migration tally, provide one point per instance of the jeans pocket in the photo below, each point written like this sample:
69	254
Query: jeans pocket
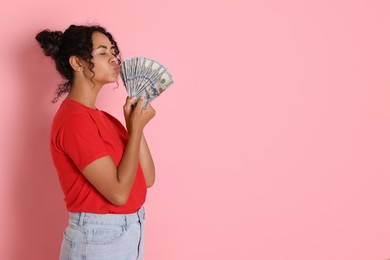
66	248
106	235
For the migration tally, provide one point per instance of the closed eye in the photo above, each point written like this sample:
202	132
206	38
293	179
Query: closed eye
105	53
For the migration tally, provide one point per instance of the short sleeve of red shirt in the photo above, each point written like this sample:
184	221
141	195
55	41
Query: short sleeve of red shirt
80	140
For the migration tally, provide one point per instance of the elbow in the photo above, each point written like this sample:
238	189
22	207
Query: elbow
150	182
119	199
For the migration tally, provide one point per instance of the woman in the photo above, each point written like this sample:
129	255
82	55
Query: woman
103	168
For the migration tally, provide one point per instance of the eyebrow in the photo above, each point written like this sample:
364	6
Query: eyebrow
105	47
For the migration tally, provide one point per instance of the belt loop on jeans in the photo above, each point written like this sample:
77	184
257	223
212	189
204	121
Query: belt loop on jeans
81	219
127	221
141	213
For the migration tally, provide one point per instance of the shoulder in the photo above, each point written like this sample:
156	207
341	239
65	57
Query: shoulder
72	115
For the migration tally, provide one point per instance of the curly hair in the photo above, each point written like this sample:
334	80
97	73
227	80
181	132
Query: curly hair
74	41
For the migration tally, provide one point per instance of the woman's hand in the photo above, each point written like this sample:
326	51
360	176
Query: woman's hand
136	117
127	108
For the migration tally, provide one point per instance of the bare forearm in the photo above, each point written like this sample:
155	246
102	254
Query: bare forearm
146	162
127	168
115	182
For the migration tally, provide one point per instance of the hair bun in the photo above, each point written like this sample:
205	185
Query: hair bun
50	41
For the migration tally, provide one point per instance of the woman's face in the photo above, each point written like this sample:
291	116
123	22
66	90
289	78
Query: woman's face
105	62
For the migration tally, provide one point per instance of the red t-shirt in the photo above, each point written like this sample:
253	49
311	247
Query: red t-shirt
80	135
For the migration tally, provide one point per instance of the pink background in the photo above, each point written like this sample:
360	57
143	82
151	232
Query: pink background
273	143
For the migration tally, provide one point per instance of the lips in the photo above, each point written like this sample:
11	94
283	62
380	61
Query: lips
117	69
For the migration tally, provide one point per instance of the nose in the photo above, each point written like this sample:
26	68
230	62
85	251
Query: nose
114	60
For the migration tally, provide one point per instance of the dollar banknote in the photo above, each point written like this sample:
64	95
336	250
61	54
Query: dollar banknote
145	77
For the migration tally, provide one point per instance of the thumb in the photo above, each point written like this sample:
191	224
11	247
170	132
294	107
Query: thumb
129	102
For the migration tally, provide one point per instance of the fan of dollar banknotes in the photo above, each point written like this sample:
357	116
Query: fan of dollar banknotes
145	77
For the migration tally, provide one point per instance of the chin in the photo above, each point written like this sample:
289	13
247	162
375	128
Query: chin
112	80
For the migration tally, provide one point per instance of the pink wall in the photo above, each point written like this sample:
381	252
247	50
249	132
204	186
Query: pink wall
273	143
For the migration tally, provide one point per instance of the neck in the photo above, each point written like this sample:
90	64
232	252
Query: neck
84	93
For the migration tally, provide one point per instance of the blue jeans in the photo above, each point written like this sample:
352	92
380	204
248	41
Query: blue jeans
104	236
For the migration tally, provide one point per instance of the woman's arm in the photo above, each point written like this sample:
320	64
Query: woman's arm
146	161
115	183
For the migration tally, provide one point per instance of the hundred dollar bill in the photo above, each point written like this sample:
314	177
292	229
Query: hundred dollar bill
145	77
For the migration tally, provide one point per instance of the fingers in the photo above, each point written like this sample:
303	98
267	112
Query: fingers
127	106
140	103
150	109
131	100
138	108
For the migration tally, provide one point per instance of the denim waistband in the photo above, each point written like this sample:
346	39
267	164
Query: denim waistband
84	218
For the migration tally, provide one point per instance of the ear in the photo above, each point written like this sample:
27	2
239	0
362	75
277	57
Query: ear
75	63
